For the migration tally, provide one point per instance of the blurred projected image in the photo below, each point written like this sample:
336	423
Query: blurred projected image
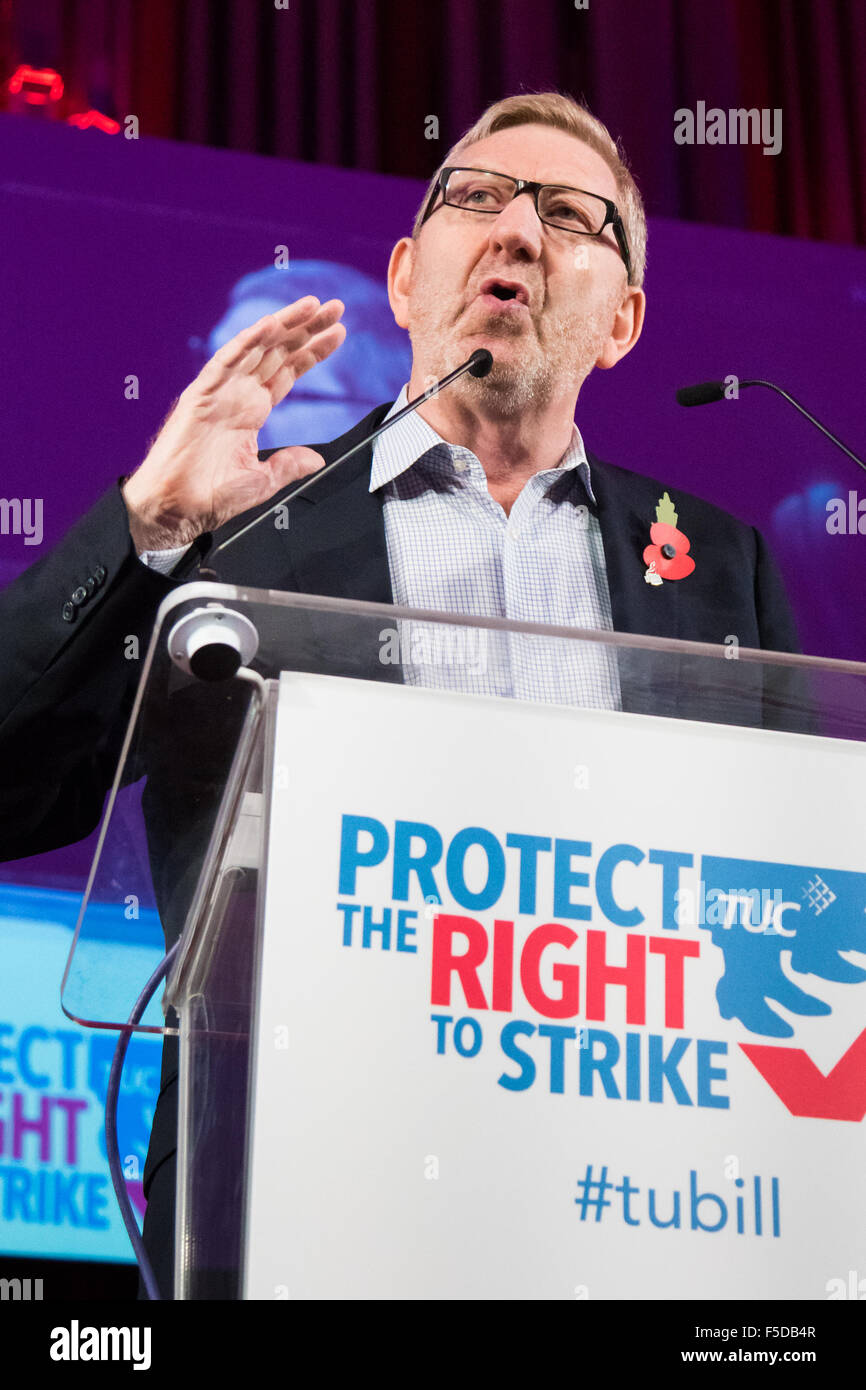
370	366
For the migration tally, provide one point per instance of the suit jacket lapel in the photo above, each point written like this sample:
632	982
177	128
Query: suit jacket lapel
334	539
649	683
331	541
337	529
626	510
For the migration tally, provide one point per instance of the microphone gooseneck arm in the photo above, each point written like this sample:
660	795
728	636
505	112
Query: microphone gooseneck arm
478	365
803	411
708	391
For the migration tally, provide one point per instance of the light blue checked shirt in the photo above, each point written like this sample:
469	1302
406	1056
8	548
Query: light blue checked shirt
452	547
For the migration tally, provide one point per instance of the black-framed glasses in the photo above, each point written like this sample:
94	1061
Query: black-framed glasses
571	209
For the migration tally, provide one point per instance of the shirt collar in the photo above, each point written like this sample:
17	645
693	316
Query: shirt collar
401	447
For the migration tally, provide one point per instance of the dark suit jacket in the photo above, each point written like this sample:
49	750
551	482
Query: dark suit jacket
66	685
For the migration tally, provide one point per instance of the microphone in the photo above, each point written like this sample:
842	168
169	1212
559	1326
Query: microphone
707	391
702	394
478	365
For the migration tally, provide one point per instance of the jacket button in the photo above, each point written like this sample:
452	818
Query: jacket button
67	612
100	574
90	585
79	596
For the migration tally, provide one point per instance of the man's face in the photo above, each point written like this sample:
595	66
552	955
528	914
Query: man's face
572	288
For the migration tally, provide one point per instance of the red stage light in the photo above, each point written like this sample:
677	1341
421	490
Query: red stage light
38	86
85	120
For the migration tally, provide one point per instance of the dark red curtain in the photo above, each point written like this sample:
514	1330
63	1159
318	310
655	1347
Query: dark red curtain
353	82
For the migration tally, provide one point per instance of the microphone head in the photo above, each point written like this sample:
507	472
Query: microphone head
702	394
482	361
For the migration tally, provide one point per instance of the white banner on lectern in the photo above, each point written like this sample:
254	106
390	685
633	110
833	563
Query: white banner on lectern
556	1004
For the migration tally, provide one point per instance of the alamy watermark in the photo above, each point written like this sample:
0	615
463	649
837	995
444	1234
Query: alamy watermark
77	1343
22	516
757	910
428	644
21	1290
736	126
846	516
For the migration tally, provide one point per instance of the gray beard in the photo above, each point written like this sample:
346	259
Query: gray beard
549	369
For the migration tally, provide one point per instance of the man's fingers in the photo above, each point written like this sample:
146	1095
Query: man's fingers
288	369
286	331
296	461
289	316
265	332
322	342
288	335
298	335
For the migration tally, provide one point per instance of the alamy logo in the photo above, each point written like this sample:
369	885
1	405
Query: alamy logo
736	126
846	518
426	644
76	1343
22	516
21	1290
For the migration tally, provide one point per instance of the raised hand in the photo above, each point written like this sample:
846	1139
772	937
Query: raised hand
202	469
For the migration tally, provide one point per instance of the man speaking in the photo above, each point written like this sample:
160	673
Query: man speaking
531	243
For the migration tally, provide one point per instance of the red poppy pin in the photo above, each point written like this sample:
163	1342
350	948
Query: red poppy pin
667	557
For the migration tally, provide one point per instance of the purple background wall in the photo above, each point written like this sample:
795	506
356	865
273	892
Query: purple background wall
118	257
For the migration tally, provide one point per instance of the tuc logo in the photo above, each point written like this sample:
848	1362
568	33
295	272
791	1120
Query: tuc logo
816	916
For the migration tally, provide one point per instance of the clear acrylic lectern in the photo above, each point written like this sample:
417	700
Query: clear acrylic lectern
263	714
